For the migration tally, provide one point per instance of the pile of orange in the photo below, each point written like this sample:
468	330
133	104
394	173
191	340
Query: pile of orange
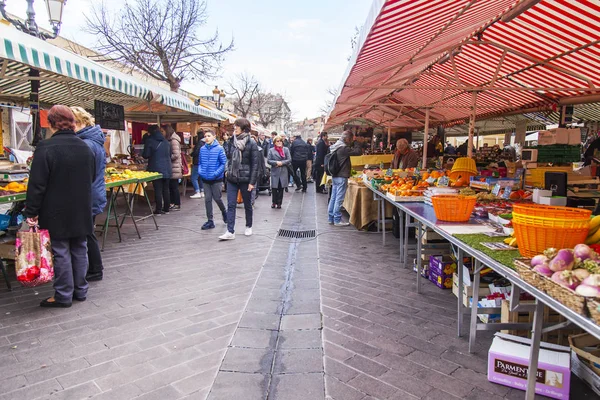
405	187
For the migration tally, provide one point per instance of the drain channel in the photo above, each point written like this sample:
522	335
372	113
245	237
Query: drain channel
286	233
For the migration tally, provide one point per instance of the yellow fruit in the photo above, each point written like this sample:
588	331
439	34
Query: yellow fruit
593	239
513	242
594	224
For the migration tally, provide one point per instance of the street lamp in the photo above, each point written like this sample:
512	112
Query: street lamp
29	26
218	97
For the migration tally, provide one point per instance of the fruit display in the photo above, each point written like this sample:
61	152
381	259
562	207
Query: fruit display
116	175
14	187
594	233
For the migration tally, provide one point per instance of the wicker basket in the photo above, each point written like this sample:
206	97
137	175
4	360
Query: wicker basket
523	267
592	306
536	234
566	296
453	208
536	210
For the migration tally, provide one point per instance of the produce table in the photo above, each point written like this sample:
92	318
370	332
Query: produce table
360	205
424	216
118	187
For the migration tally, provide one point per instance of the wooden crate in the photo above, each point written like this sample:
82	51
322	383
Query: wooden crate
551	317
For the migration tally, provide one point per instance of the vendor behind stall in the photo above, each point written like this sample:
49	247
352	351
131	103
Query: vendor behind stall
404	157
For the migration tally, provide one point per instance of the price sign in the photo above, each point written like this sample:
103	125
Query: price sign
444	181
506	194
496	189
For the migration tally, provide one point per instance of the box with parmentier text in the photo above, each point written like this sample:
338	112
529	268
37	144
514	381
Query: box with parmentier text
508	365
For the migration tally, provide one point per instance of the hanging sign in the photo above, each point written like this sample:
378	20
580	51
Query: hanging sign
109	116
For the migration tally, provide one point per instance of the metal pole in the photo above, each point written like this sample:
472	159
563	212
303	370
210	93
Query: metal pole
472	125
425	138
389	144
158	120
534	351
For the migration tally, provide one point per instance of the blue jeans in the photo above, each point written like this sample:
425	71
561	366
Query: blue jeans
196	181
232	191
338	192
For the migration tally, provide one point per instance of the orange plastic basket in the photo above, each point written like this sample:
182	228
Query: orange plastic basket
536	234
453	208
538	210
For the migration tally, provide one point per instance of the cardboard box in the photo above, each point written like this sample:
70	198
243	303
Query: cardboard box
546	138
441	269
561	135
508	362
467	290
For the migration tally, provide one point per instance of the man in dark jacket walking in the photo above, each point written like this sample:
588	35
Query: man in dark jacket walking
263	144
300	152
242	173
319	166
196	181
158	152
343	152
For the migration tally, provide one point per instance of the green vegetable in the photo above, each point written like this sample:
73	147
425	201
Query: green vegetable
506	216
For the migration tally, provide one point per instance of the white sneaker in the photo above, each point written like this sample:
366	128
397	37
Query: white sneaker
248	231
201	195
197	195
341	223
227	236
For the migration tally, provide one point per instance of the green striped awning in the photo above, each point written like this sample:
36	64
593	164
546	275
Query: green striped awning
70	79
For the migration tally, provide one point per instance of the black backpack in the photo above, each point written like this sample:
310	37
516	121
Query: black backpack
332	164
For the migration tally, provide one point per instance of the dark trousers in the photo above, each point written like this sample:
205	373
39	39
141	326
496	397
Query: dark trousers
319	172
174	192
232	191
213	191
94	255
161	195
70	267
300	165
277	194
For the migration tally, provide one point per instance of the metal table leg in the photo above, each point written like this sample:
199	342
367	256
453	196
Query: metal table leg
475	300
5	274
460	256
401	234
129	210
108	211
376	198
536	337
149	205
406	226
382	205
419	256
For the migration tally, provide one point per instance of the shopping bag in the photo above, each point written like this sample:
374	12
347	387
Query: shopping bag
240	199
33	261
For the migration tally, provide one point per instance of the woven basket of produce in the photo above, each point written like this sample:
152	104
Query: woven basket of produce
526	272
593	306
566	296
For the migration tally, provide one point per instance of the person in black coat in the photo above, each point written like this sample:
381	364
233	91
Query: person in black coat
319	166
264	144
196	181
300	151
59	199
242	172
158	152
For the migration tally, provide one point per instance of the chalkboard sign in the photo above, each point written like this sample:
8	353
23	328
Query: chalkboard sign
109	116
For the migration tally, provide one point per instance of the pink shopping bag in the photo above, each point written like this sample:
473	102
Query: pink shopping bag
33	260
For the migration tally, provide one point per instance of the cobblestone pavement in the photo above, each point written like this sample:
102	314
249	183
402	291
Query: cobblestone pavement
182	315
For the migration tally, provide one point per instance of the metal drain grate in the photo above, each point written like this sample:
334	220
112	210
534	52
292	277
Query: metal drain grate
297	234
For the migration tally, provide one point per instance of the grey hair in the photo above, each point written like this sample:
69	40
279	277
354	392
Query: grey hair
346	135
401	141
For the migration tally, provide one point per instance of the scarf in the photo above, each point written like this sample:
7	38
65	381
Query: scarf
240	141
280	151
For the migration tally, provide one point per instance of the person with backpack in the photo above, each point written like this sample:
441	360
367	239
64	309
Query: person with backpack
339	167
300	152
319	165
242	173
211	168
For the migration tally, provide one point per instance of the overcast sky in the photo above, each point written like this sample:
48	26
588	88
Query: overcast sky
295	47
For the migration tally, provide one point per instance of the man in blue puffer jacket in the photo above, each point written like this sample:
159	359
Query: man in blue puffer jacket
212	170
92	135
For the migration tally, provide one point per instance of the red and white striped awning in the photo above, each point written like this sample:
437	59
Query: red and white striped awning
502	56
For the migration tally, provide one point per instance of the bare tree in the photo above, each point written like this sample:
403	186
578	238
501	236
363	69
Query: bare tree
159	38
245	90
331	92
270	108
